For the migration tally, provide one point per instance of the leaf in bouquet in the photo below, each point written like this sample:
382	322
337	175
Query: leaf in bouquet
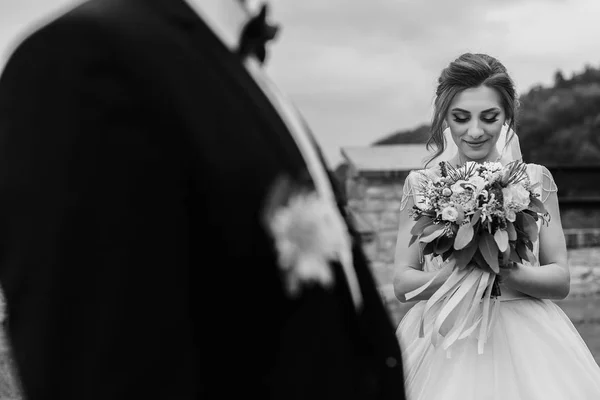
510	230
447	254
536	205
489	250
475	217
531	257
428	230
465	256
443	244
463	236
532	214
501	238
412	240
432	236
521	250
517	171
426	248
461	214
420	225
528	244
514	256
529	225
480	261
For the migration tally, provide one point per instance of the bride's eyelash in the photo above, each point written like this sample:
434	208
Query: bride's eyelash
491	119
466	119
460	120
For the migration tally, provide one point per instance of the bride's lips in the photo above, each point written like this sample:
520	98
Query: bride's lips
475	145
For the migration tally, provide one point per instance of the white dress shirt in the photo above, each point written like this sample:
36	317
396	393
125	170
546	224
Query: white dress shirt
226	18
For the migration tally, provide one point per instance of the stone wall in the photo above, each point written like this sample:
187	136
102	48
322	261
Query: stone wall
377	201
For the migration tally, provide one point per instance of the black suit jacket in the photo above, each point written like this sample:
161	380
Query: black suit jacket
136	154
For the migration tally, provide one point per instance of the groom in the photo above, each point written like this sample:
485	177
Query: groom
167	227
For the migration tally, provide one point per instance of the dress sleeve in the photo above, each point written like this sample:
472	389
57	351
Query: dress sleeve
411	188
548	184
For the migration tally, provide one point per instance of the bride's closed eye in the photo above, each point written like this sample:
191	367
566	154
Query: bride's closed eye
461	119
490	119
486	119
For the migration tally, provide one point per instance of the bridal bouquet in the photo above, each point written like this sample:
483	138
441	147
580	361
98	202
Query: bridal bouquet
479	217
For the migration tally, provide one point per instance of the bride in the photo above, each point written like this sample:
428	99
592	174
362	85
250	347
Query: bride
533	350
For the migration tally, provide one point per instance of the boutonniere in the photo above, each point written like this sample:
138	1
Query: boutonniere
309	234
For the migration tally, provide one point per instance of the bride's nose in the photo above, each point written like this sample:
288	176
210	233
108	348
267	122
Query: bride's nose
475	131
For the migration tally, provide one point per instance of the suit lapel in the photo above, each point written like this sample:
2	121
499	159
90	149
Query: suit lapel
208	44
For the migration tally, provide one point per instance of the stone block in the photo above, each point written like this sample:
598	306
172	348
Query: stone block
390	220
356	204
356	188
370	249
376	192
373	219
393	205
387	246
374	204
383	273
393	192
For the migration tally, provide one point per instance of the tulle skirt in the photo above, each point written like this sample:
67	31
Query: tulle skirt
533	352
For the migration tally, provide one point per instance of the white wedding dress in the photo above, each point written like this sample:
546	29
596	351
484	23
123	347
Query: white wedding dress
533	351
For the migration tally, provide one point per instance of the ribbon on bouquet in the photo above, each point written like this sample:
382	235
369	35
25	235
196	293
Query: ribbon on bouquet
468	291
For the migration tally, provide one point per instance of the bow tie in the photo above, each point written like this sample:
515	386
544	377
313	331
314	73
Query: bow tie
255	35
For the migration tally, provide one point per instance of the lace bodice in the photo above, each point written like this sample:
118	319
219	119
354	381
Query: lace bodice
537	173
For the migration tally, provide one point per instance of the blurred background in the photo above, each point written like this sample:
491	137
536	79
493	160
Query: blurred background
364	74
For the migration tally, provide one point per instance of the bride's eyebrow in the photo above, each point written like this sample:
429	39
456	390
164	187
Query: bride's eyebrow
489	110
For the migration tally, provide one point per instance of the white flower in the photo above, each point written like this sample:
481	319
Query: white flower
449	214
470	205
511	215
516	197
485	194
308	234
478	182
493	166
447	192
424	203
459	186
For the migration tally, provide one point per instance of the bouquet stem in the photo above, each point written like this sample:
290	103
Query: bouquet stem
496	292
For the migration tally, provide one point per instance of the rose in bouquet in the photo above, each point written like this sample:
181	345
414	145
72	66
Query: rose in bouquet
479	217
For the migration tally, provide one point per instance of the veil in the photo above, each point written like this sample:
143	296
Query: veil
507	144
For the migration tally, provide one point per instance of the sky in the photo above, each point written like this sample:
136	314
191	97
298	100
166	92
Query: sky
362	69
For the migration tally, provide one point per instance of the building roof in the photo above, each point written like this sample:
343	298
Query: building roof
388	158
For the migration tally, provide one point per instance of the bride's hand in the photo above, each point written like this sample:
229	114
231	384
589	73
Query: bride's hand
447	268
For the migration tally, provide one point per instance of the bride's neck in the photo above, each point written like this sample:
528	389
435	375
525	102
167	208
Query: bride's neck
460	159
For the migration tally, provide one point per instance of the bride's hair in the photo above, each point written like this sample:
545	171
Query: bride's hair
470	71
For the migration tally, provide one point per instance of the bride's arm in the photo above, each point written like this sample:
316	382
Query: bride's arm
551	280
408	268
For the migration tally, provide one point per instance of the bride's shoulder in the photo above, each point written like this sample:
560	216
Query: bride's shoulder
425	173
414	182
538	171
541	174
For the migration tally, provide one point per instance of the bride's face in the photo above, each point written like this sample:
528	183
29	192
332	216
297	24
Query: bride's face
475	118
